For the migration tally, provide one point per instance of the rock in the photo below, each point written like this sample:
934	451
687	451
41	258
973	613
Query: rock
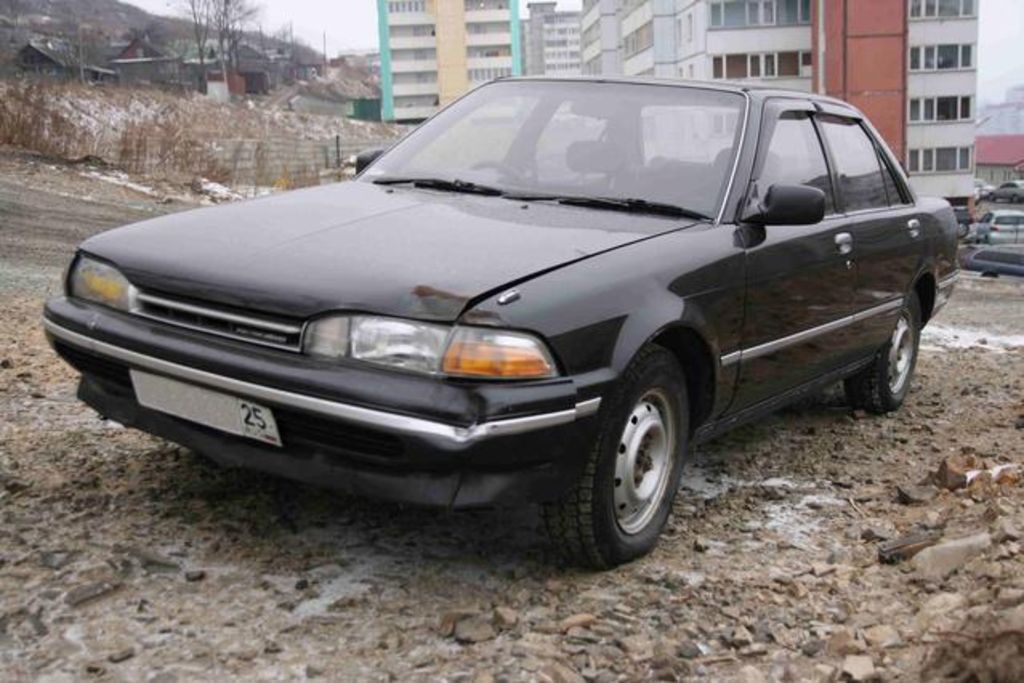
560	673
750	674
194	575
483	677
939	561
740	637
314	671
936	609
153	561
689	649
1009	597
858	668
88	592
875	533
823	673
701	544
820	569
302	584
582	620
638	648
505	617
843	642
812	647
1004	530
474	630
882	636
56	559
121	655
915	495
952	472
450	619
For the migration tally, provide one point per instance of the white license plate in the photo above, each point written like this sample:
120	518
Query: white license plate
211	408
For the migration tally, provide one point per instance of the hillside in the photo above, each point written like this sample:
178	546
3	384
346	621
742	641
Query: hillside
112	17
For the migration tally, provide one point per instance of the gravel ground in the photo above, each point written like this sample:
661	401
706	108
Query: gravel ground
123	557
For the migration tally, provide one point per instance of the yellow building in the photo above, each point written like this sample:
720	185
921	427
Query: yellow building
433	51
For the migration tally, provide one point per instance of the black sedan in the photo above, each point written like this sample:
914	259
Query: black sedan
548	293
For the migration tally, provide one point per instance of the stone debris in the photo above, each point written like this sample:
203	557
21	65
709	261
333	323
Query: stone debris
89	592
858	668
938	561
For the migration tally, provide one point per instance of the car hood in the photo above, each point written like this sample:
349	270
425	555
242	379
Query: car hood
362	247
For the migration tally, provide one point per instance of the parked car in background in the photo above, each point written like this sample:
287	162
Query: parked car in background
964	219
993	261
1012	191
982	189
547	293
1000	227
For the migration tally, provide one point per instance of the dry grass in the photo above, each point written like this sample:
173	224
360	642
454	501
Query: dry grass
166	135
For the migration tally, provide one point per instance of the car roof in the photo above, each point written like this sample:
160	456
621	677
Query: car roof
1005	212
753	91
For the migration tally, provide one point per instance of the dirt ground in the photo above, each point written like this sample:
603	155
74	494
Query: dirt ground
123	557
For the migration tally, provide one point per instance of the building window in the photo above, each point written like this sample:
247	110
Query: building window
940	160
950	108
941	9
403	6
741	13
762	65
941	57
639	40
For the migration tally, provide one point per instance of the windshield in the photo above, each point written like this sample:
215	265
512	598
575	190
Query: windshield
666	144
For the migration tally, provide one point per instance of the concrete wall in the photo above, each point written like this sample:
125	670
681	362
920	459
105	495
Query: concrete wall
265	162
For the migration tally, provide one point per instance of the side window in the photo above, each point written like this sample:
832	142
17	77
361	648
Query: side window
986	218
892	184
860	175
794	157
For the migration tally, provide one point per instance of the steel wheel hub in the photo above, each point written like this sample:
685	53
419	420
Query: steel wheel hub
643	463
901	353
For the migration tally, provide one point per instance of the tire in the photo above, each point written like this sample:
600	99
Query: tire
882	386
645	421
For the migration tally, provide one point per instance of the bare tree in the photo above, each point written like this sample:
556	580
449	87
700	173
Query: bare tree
200	15
230	20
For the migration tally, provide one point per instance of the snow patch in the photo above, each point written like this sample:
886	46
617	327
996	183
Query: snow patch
947	337
121	179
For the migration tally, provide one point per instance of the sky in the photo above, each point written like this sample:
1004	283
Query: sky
352	25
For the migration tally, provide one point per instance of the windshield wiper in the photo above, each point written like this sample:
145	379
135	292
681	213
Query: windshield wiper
442	184
630	204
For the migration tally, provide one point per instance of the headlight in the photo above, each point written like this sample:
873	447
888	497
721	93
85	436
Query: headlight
96	281
430	348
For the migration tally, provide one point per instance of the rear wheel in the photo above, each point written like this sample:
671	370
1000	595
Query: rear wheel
882	386
618	507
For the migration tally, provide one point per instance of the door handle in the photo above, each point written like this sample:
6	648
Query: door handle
844	243
914	227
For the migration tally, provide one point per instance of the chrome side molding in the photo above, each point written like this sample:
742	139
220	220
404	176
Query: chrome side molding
808	334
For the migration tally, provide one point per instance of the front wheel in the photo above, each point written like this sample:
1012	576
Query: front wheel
882	386
619	505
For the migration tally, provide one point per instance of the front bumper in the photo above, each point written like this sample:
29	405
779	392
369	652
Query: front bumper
436	443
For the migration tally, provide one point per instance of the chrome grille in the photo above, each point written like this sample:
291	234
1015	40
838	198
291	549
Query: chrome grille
277	334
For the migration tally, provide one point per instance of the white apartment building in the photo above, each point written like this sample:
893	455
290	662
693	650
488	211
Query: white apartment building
551	41
774	43
433	51
942	85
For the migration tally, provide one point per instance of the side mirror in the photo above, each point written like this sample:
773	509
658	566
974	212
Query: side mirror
367	157
789	205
